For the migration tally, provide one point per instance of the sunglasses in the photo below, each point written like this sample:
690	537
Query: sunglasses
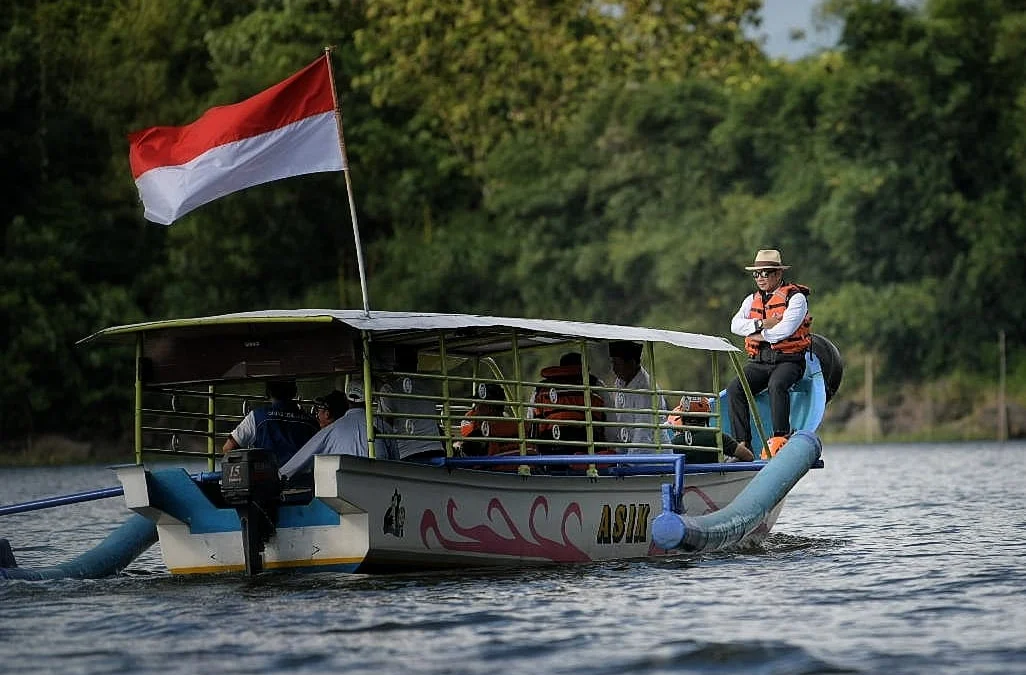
763	274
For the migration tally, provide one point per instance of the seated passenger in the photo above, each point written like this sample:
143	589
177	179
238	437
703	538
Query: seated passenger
685	414
345	436
475	432
412	448
626	361
281	427
546	424
330	407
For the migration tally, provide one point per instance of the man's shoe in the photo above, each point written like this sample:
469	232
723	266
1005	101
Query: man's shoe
743	453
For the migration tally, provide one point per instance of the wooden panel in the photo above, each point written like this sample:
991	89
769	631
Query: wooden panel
242	351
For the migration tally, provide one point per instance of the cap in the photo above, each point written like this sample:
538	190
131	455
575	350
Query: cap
354	392
695	404
335	402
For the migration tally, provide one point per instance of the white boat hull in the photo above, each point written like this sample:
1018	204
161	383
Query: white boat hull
373	516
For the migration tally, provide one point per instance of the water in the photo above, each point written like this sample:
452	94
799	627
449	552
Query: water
895	558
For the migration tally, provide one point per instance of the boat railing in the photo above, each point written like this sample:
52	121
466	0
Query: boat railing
189	422
594	419
193	421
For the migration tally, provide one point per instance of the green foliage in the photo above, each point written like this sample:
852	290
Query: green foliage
486	70
565	159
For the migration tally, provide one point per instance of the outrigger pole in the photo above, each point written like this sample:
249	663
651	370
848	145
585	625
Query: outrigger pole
349	182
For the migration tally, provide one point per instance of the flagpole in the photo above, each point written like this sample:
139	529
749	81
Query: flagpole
349	183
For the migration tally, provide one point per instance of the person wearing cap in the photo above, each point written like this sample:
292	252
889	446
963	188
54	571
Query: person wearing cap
330	407
693	411
625	358
775	322
281	427
476	433
345	436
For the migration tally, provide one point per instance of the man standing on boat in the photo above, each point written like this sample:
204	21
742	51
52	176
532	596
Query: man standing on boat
775	322
281	427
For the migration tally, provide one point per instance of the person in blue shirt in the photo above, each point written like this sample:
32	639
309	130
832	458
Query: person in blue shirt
345	436
280	427
330	407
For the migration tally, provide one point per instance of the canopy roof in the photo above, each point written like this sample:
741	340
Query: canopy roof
485	334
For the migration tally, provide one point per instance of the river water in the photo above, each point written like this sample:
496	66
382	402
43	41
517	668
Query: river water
893	559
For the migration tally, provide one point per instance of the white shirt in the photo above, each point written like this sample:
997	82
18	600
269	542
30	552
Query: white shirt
245	433
412	426
345	436
797	308
623	399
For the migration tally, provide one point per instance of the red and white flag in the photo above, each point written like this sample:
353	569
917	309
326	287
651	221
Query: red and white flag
287	130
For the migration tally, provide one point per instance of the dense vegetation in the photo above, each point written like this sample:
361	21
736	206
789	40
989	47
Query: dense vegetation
614	162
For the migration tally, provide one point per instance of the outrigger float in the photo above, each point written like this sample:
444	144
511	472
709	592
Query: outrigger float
590	493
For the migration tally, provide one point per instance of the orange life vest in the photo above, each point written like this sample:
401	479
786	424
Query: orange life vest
547	418
478	431
798	341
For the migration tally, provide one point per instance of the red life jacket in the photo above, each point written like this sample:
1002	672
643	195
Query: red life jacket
798	341
476	432
547	418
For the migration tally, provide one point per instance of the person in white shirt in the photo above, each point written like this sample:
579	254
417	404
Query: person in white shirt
626	361
776	325
345	436
393	401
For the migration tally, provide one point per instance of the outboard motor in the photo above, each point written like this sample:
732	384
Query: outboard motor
249	482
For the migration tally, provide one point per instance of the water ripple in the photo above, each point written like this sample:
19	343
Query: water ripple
892	560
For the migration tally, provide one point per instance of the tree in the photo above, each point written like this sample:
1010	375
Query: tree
485	70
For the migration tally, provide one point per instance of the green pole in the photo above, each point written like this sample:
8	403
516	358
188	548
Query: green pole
716	397
523	469
588	430
138	398
446	410
754	409
367	409
210	428
657	432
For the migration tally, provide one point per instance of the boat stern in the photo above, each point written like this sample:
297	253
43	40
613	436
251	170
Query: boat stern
200	534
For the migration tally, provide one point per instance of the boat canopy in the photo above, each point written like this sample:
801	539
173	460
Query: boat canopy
483	334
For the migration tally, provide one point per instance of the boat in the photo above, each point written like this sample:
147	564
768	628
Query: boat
612	485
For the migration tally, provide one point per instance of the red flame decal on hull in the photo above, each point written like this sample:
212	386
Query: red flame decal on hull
710	504
484	539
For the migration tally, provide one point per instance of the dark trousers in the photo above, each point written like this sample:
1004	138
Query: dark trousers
778	378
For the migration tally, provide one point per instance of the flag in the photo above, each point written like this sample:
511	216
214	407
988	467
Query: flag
287	130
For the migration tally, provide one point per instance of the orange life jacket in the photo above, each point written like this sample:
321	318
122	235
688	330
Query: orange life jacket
547	418
478	431
798	341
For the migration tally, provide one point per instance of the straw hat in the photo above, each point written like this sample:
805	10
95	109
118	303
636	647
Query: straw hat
768	258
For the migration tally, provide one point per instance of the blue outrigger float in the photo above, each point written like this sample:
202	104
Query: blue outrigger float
596	494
